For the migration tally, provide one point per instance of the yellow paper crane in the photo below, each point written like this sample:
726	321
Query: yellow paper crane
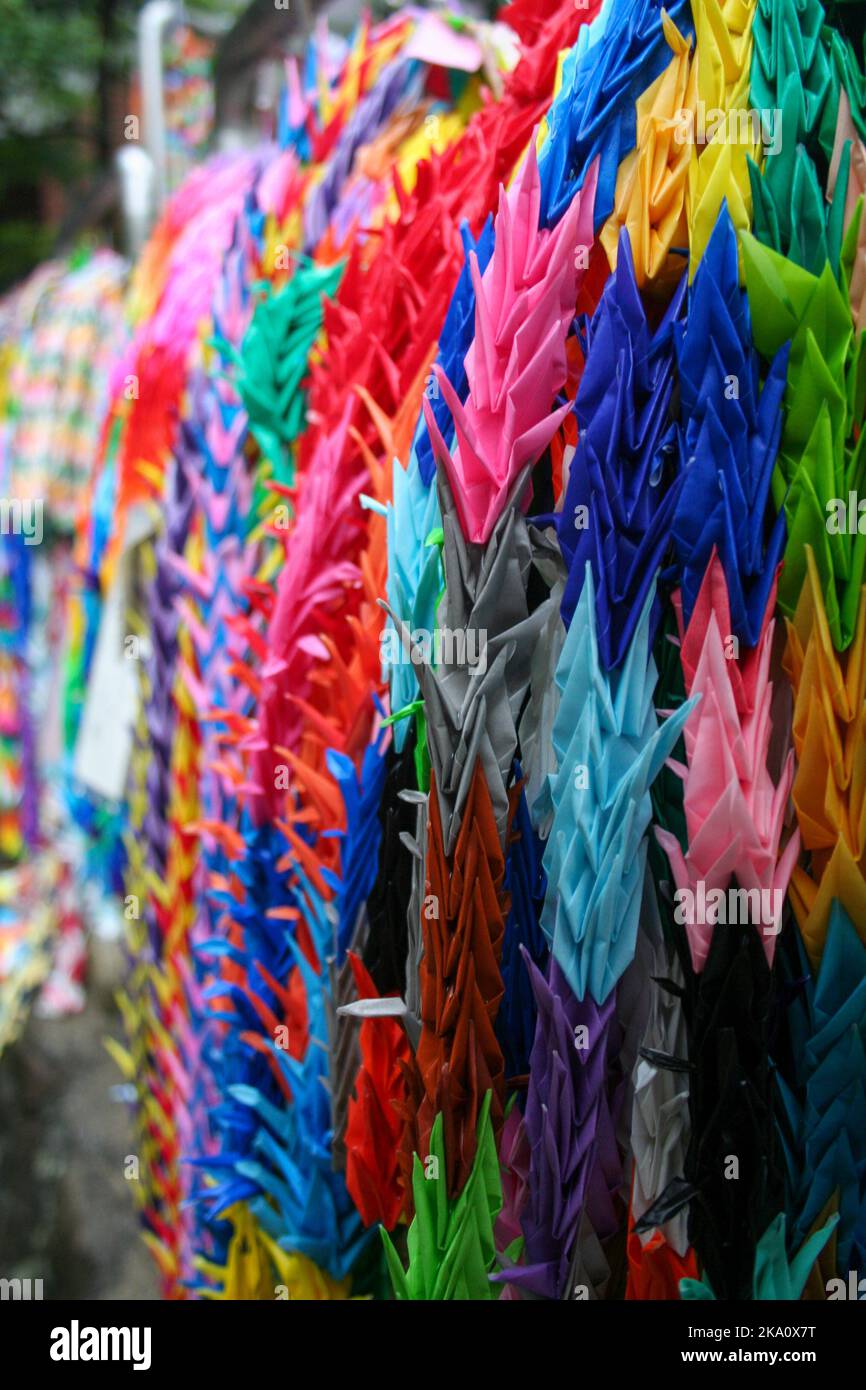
651	180
257	1269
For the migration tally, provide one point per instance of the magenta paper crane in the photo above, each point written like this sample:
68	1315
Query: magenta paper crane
524	306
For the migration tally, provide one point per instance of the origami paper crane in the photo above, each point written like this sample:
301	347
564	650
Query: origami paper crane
610	749
620	497
575	1164
524	303
414	575
730	1102
514	1169
728	442
827	1126
459	1058
273	361
374	1128
849	159
476	702
594	115
827	732
651	181
655	1269
386	950
310	1211
455	341
819	459
399	83
774	1276
735	815
524	882
659	1121
450	1245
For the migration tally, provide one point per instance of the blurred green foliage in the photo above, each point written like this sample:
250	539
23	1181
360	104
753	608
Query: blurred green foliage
59	63
65	67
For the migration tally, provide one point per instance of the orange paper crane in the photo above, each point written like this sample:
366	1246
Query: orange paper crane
459	1058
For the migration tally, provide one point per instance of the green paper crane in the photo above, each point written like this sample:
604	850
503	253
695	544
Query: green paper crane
450	1243
821	459
800	64
274	360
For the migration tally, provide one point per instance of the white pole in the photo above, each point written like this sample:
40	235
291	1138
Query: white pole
153	21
